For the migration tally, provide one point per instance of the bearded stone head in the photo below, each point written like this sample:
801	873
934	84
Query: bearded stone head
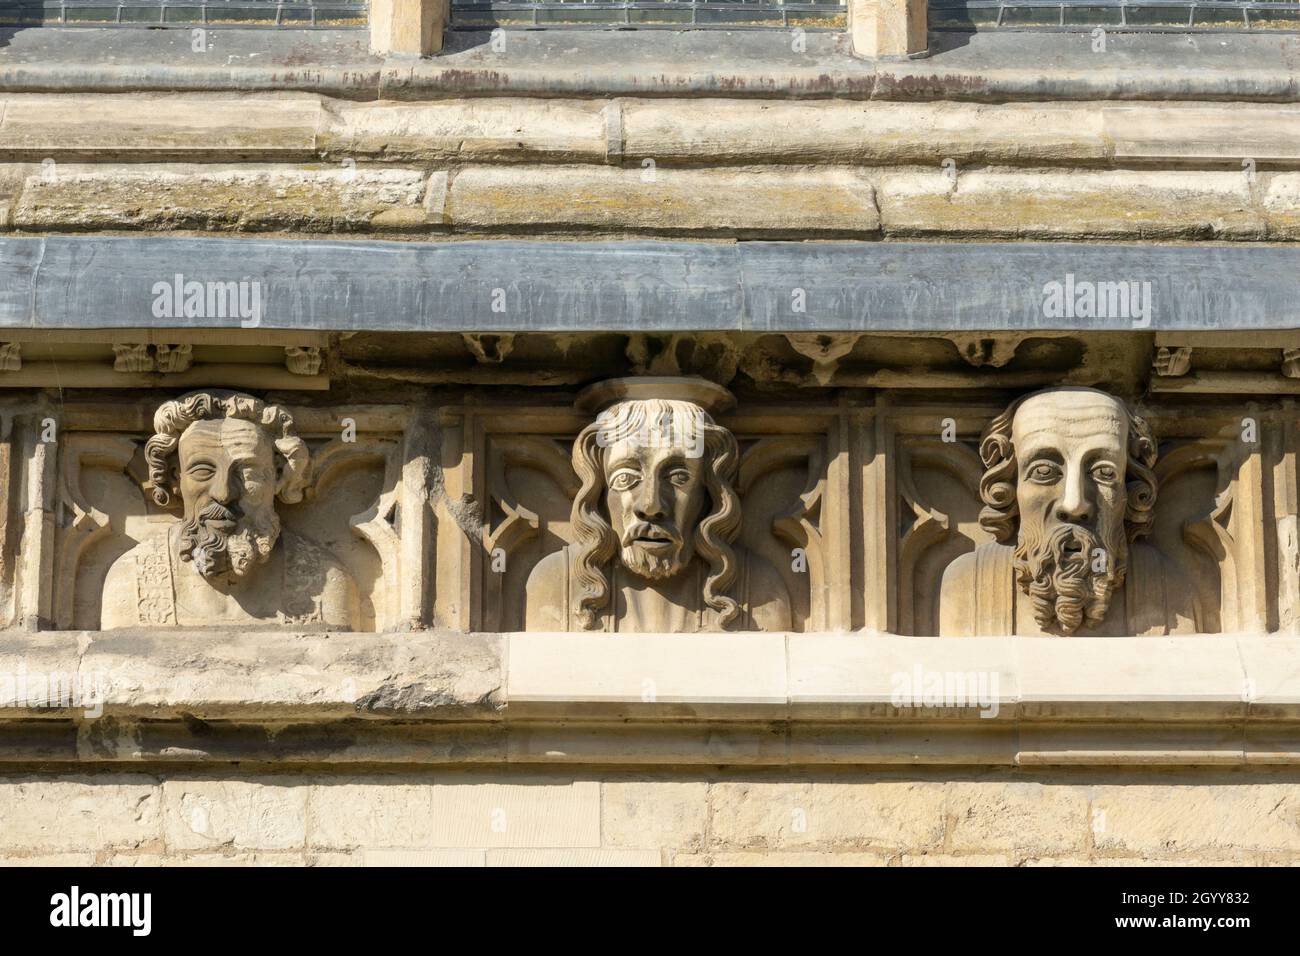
228	456
657	477
1068	479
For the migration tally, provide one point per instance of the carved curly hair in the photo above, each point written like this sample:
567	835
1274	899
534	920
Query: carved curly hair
1001	473
175	416
596	542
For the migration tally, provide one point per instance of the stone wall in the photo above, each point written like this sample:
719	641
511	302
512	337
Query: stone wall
707	818
723	541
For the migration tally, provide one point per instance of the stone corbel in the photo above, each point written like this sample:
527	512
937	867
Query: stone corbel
132	358
173	359
302	360
11	356
1172	362
1291	363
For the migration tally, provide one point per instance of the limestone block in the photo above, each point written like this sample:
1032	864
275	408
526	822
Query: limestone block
835	676
1188	818
453	811
80	813
950	859
780	859
654	812
672	675
176	125
221	198
858	814
1011	817
264	814
873	133
1282	205
1069	204
750	202
205	859
489	129
552	857
49	859
1263	132
1178	677
455	676
438	858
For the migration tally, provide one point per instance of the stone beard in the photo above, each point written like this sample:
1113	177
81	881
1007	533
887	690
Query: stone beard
1071	549
1069	491
227	481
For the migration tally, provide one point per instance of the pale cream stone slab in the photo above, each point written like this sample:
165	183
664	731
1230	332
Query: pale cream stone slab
1272	674
462	812
1010	817
785	858
1157	204
1265	132
752	201
655	812
238	197
840	131
661	674
193	126
857	813
80	813
836	676
439	857
1189	816
264	814
569	857
1173	677
478	129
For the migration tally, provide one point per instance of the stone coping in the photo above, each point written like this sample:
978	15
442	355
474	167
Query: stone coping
297	699
988	66
828	677
64	282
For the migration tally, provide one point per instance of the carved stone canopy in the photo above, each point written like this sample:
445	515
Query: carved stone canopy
711	397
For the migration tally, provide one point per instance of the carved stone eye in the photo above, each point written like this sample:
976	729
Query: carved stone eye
1043	472
623	480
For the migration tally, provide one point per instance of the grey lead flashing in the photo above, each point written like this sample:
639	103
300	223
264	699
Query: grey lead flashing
500	285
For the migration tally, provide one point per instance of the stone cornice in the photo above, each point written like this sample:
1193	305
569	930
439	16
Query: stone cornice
988	66
648	699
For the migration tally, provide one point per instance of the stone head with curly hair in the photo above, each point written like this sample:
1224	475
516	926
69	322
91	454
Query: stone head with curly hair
228	456
1068	481
657	478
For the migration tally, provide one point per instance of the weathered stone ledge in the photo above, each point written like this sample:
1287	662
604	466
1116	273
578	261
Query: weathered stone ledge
775	202
301	127
443	697
987	66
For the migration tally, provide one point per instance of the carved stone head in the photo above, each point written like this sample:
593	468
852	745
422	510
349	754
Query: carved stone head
228	456
657	477
1068	478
